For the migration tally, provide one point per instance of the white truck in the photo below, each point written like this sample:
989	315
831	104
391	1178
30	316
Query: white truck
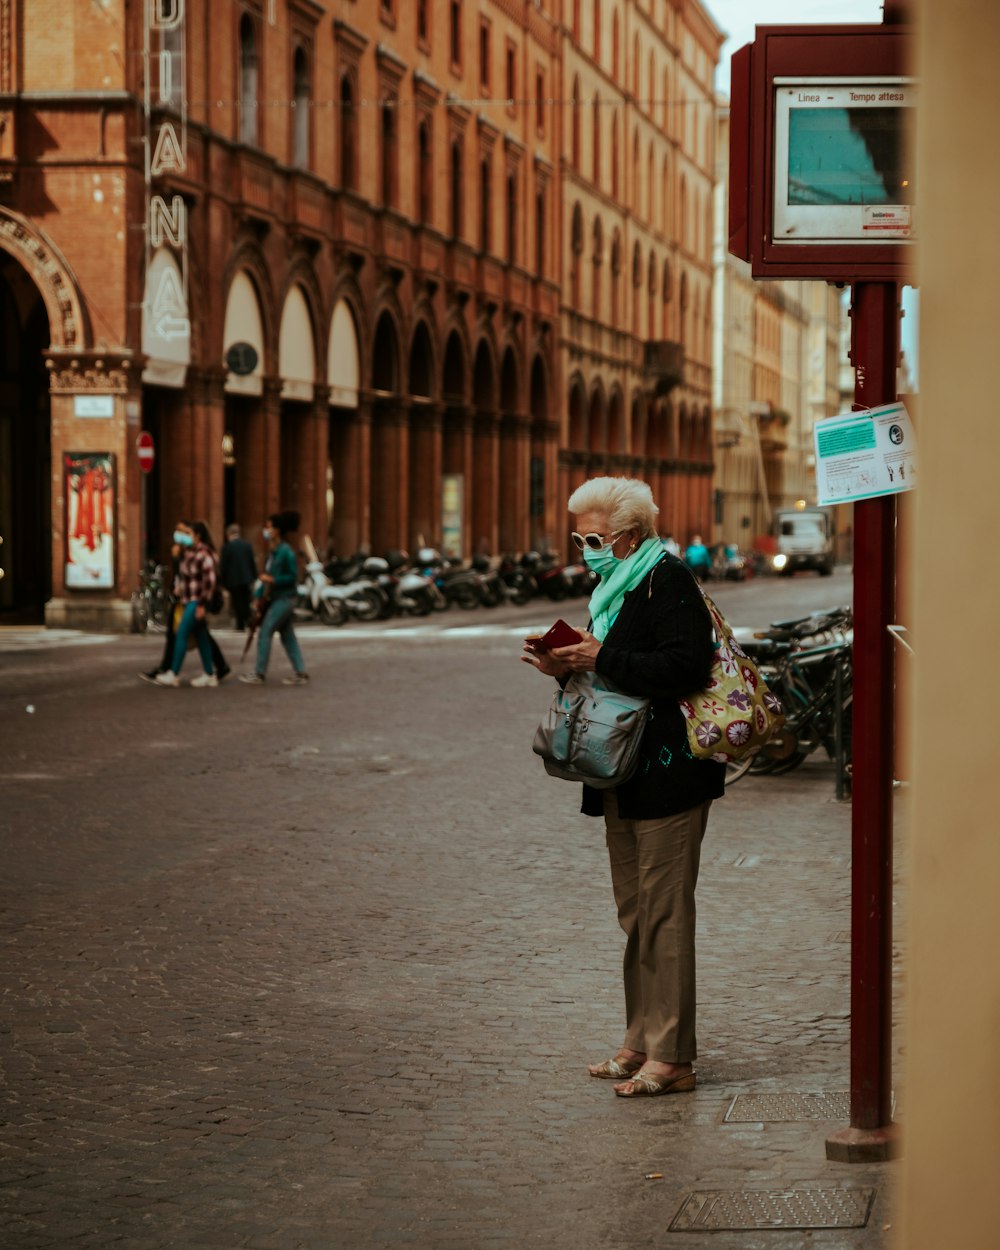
805	540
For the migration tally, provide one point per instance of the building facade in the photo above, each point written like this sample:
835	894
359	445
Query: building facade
331	256
777	370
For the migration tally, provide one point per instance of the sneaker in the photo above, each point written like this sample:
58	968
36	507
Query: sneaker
151	676
205	679
297	679
169	678
252	679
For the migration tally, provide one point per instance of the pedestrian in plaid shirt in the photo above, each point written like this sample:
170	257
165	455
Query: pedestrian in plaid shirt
194	587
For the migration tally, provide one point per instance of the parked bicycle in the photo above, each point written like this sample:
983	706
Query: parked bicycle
807	662
151	601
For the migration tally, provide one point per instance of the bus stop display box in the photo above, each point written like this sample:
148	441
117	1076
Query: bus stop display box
820	170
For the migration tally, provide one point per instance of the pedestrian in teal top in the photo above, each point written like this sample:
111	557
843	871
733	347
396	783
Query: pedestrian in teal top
279	590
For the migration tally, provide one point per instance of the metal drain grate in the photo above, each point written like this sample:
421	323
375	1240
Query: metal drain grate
720	1209
778	1108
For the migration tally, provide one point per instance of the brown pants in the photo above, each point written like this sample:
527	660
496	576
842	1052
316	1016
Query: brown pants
654	870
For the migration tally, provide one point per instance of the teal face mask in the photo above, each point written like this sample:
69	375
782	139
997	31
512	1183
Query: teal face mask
602	562
182	539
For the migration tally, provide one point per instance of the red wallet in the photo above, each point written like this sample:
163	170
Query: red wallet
560	635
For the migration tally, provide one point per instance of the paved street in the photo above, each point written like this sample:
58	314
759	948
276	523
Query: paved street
323	967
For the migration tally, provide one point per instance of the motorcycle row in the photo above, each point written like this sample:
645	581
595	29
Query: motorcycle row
364	587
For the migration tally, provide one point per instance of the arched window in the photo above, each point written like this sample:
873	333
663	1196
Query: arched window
485	203
597	31
540	232
665	192
666	102
597	140
575	136
456	188
650	188
248	81
512	216
598	259
425	191
615	46
615	157
684	213
389	151
650	84
301	120
348	136
635	170
576	244
635	65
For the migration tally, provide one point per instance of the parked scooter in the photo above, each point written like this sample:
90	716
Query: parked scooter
453	582
317	593
517	579
492	588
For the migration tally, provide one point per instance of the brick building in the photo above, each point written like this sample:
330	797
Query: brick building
413	268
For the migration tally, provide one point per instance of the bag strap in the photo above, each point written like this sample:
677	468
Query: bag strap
719	622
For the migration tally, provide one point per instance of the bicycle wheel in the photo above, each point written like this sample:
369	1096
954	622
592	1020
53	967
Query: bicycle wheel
140	612
735	771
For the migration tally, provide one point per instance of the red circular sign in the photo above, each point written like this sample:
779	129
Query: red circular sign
146	451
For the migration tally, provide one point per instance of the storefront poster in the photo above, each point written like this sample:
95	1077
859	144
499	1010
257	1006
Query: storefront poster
89	493
863	455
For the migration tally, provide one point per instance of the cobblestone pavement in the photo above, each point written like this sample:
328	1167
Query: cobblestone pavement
323	967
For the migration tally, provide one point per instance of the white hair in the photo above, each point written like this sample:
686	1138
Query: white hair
626	501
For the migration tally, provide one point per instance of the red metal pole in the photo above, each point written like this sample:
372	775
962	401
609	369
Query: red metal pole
874	354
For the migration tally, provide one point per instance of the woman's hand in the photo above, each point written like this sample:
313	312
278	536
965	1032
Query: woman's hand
199	612
266	578
581	657
545	662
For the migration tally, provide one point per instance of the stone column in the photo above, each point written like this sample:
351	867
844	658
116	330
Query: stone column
389	473
515	482
485	503
425	474
350	455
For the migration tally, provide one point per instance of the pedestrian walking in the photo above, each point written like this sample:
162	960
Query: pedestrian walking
196	585
237	573
698	558
183	530
651	635
279	589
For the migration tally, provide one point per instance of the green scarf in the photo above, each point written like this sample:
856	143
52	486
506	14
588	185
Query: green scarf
607	599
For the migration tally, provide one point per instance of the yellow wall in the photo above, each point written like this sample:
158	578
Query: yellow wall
950	1194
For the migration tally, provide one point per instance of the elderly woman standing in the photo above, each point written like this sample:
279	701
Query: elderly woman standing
651	636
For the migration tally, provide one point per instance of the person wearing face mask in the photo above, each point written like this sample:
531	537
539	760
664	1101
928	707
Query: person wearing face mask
195	588
650	635
279	589
183	539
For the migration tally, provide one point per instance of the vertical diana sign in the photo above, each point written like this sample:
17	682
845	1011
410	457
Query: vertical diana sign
166	154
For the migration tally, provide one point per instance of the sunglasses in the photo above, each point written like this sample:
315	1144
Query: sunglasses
594	541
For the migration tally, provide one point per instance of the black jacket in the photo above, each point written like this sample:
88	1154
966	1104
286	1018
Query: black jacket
662	646
237	563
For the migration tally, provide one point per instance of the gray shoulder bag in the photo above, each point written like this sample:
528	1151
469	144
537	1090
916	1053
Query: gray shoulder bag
591	732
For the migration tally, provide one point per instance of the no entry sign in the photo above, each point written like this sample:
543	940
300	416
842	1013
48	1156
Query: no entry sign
146	451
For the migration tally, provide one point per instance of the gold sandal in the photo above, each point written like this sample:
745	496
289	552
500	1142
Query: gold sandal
616	1069
648	1085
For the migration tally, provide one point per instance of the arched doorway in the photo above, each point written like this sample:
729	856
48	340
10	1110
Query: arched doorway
485	453
456	447
389	444
25	448
347	498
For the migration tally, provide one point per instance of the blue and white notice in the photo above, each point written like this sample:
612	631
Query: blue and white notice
862	455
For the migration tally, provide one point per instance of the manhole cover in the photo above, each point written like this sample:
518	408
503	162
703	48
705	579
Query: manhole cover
773	1208
764	1108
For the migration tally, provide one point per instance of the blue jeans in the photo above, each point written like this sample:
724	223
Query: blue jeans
188	623
278	618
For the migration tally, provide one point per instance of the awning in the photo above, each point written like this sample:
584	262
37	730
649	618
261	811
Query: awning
166	330
296	348
343	371
244	325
